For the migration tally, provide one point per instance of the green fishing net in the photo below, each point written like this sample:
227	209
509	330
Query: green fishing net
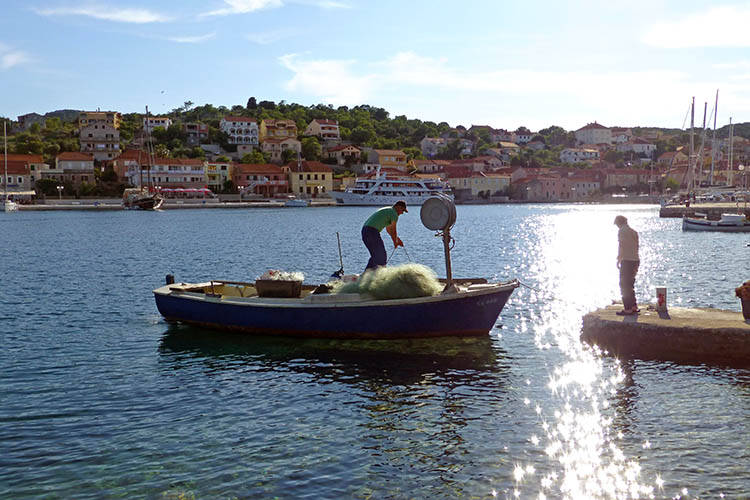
405	281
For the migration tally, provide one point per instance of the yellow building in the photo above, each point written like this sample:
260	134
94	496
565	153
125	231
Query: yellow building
111	118
389	158
309	178
277	129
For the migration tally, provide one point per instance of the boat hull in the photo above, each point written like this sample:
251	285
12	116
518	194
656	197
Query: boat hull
148	203
689	224
460	314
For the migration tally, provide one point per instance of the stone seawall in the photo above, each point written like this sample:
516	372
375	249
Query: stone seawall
686	335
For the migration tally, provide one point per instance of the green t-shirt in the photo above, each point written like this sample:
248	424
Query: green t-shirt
382	218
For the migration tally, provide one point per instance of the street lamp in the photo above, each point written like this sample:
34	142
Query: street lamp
59	191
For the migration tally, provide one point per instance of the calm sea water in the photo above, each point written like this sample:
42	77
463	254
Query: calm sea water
100	398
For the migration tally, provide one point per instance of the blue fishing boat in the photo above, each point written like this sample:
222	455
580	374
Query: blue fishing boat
274	307
468	309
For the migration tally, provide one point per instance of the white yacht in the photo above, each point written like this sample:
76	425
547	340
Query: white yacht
386	189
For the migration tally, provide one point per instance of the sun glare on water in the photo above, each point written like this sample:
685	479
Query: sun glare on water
573	271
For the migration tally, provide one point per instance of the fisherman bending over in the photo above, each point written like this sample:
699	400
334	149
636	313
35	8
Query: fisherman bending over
385	217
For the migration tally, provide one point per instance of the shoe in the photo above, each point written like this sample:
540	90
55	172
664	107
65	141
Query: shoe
636	310
625	312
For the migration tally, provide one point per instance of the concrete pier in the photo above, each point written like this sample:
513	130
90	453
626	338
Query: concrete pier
713	210
684	335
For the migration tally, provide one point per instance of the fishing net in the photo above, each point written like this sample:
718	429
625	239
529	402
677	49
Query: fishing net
397	282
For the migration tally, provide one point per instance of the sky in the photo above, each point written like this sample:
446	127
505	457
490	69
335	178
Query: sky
495	62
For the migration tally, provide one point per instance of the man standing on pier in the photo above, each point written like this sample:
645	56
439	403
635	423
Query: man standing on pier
627	262
385	217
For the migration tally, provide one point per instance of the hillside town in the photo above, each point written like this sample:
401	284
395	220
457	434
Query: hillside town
266	159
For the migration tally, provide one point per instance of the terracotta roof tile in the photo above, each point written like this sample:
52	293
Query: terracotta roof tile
74	156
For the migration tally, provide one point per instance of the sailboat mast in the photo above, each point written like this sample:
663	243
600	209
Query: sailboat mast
691	158
5	156
701	150
713	140
731	150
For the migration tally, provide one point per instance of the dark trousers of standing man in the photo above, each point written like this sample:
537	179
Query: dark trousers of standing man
374	243
628	270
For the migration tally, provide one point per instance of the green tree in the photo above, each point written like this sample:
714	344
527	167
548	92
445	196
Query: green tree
311	149
256	157
413	154
288	155
362	135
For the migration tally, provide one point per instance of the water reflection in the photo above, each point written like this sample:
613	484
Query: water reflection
393	362
412	408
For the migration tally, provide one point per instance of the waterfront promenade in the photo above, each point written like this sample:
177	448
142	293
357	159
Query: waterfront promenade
103	204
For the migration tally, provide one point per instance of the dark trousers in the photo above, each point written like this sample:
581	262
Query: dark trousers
374	243
628	270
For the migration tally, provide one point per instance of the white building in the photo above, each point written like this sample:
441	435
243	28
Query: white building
637	145
576	155
593	133
241	130
151	122
328	130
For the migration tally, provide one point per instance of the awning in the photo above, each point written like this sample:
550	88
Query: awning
18	193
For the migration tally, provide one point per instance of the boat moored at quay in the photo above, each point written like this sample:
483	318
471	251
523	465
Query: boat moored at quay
385	188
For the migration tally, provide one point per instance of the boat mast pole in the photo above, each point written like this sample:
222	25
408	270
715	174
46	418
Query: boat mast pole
691	161
701	150
5	156
730	172
713	140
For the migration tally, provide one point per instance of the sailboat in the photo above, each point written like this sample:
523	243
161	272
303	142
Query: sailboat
728	223
143	197
8	204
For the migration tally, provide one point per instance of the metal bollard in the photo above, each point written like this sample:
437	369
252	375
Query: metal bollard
661	298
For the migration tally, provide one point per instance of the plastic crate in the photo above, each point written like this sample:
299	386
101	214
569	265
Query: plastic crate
278	288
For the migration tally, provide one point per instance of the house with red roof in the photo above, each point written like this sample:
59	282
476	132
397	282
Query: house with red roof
388	158
176	173
328	130
277	129
263	179
344	153
593	133
276	147
542	188
310	178
430	166
469	184
23	171
73	167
